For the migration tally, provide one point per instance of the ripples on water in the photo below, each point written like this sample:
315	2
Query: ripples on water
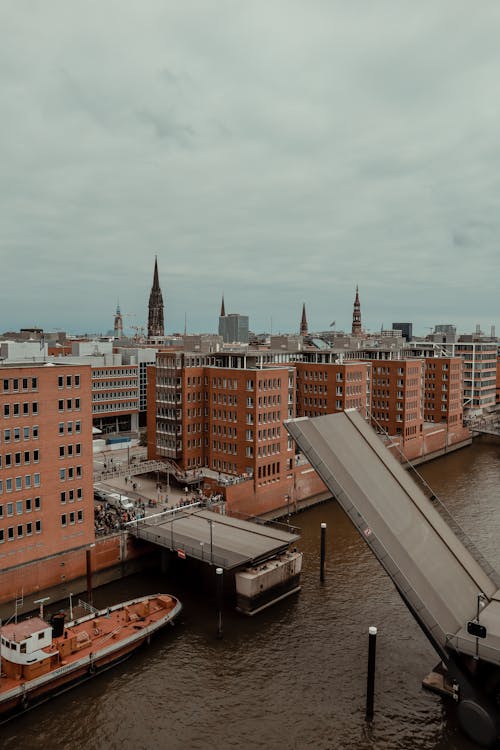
292	677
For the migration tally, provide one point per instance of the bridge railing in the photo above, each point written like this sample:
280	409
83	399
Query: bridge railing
176	544
406	589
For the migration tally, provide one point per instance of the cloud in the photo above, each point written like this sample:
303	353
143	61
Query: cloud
279	151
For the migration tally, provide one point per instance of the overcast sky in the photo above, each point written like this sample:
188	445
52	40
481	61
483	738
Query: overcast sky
279	152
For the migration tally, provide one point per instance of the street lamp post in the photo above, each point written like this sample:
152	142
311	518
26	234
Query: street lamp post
211	542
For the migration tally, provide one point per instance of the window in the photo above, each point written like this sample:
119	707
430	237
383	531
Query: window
6	436
36	480
8	485
17	434
34	407
2	536
19	507
63	497
17	459
10	533
69	404
19	530
80	516
79	493
61	404
36	456
25	384
72	517
6	410
29	529
38	527
38	503
26	409
34	384
61	428
77	404
28	505
62	474
27	481
35	432
60	381
19	483
61	451
68	381
26	433
77	381
10	509
71	496
70	428
63	519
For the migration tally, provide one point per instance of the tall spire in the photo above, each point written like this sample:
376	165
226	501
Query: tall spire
303	322
155	315
222	309
118	323
356	316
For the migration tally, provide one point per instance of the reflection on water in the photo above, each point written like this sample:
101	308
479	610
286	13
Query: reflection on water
295	675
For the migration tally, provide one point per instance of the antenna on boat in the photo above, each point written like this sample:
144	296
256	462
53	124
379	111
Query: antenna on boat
19	602
41	602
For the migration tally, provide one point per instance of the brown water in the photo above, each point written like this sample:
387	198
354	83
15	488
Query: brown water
292	677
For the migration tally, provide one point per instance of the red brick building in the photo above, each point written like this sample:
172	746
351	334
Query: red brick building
324	388
227	419
443	390
397	390
46	473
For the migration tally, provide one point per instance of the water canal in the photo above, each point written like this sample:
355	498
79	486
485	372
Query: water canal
293	677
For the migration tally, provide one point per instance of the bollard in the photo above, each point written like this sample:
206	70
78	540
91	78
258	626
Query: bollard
370	685
220	595
322	553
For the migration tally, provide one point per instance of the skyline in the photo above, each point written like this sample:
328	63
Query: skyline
359	147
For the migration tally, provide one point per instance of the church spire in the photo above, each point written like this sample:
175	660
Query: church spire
118	323
303	322
155	314
356	316
222	309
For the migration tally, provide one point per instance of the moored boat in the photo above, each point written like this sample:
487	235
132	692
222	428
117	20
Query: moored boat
39	659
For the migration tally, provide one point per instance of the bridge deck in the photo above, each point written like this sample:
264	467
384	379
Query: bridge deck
433	571
222	540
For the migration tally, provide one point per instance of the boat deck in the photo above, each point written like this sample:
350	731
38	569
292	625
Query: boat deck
90	635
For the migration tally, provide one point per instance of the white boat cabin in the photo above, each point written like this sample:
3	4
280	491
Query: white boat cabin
22	642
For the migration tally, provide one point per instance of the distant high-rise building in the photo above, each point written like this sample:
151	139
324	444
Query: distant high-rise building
155	315
356	316
234	328
405	328
118	324
303	322
222	309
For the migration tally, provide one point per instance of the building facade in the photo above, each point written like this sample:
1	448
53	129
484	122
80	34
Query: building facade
443	390
46	470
